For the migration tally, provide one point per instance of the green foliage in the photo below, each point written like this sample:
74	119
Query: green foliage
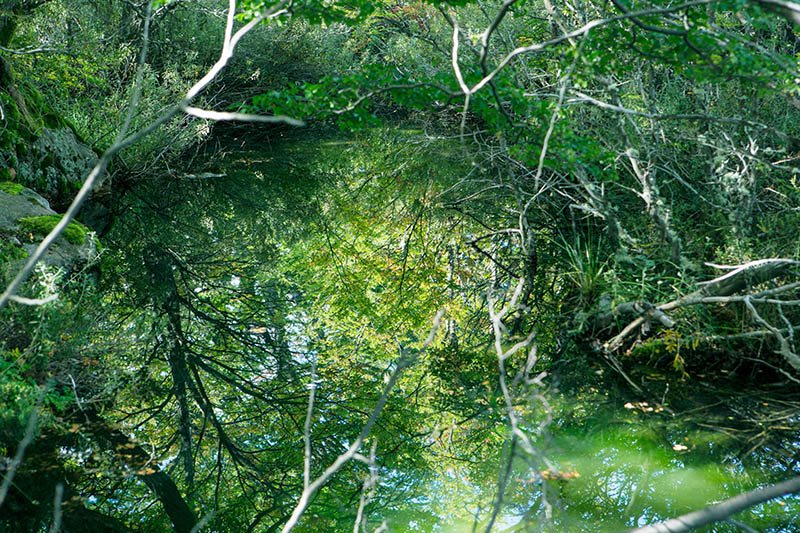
585	268
10	253
319	256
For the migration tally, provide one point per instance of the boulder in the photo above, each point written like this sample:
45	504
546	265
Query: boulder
56	164
25	218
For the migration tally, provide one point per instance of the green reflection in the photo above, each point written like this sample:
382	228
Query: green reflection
627	467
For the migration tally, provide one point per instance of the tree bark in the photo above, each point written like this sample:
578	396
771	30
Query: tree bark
166	300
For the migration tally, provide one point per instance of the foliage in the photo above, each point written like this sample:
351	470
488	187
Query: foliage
583	175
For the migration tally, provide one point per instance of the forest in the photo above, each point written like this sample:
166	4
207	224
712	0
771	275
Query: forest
400	266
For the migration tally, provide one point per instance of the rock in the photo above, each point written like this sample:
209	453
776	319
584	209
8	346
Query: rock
26	203
57	164
25	218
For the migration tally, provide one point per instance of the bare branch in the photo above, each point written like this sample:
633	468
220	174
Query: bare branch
242	117
456	68
17	460
644	26
722	510
717	290
407	358
785	348
33	301
487	34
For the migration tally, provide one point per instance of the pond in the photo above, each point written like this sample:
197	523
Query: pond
323	245
620	464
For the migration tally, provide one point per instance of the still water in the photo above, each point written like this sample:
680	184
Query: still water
620	464
608	460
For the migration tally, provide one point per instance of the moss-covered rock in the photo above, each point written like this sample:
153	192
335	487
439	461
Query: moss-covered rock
17	202
42	148
9	187
75	232
57	165
25	217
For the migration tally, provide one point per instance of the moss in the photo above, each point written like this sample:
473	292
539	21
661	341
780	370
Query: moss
649	350
9	252
11	108
43	112
9	187
72	187
75	232
9	135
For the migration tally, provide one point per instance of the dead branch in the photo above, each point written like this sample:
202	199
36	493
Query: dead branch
717	290
723	510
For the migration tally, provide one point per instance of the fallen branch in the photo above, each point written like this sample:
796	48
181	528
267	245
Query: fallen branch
723	510
717	290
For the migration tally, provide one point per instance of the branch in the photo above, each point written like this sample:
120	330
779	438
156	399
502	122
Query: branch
675	116
722	510
789	10
586	28
647	27
243	117
486	35
717	290
33	301
144	466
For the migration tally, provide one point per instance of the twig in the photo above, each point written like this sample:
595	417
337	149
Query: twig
17	460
